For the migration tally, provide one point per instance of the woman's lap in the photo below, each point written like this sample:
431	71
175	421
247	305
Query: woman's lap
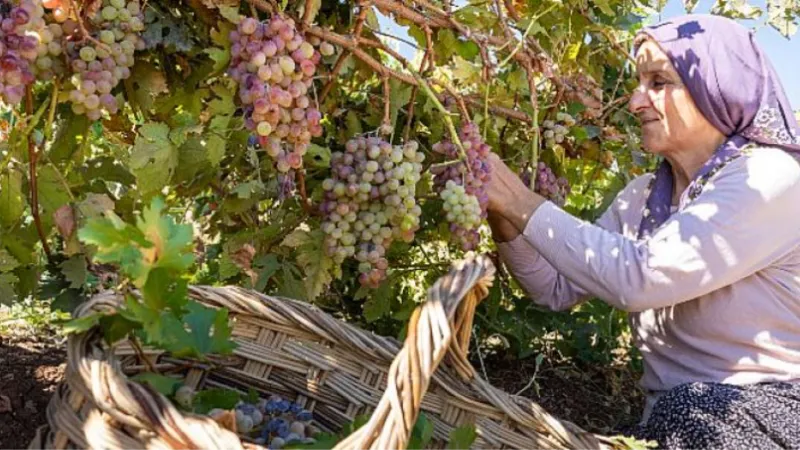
714	415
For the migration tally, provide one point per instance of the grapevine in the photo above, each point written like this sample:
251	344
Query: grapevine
274	65
462	185
370	200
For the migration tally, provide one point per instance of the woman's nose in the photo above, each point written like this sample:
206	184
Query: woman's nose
638	101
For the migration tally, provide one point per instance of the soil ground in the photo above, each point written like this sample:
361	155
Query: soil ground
31	366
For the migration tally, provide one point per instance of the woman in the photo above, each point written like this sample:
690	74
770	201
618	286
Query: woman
704	254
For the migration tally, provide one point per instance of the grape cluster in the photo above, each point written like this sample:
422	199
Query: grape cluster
471	176
556	131
547	184
20	33
370	200
99	64
274	66
275	422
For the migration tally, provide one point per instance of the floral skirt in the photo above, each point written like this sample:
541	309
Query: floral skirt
724	416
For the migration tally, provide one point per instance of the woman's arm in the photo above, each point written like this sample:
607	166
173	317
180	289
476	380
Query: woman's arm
744	220
535	275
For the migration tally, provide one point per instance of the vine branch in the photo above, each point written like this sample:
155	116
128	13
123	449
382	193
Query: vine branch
34	188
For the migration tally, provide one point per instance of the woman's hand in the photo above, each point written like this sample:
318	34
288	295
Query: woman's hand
509	198
502	229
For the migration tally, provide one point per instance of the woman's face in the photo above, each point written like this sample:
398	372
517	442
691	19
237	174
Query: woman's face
670	120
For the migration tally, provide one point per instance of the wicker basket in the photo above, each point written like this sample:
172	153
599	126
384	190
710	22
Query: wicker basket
333	369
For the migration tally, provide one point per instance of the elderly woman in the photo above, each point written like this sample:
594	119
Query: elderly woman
704	254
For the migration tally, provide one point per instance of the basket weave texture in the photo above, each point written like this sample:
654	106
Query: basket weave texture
333	369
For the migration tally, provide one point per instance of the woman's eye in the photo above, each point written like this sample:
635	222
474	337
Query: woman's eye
659	83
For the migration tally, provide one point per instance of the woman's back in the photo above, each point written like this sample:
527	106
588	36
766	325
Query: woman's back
747	331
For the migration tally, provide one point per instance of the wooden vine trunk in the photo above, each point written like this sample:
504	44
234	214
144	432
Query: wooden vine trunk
333	369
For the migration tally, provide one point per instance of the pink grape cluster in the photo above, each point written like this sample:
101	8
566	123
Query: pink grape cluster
370	200
547	184
98	67
473	174
274	66
20	26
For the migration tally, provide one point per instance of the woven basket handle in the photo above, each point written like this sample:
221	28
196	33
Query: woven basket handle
439	328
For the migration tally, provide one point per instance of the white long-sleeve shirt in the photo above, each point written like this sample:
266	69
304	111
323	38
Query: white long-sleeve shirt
713	294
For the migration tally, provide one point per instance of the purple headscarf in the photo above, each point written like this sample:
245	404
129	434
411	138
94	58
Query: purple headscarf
733	85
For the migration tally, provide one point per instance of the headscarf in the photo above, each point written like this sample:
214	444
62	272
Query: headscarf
733	85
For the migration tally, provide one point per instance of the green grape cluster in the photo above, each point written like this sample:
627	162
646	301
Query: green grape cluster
370	200
556	131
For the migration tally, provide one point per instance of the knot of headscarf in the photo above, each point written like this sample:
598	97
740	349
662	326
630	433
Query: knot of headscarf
733	85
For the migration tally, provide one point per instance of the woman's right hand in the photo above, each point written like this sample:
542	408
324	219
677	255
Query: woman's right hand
502	229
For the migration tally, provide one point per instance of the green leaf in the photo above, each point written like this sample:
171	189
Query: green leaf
227	268
8	294
208	399
163	290
266	266
82	324
94	205
352	123
421	434
781	16
606	9
72	132
74	270
7	261
117	327
465	72
164	385
248	189
379	301
231	13
210	328
318	156
220	56
12	199
462	437
311	256
153	158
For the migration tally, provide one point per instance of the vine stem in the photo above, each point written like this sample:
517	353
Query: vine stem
362	17
34	188
140	353
446	116
301	186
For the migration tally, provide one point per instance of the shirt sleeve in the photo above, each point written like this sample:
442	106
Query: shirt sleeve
544	283
743	221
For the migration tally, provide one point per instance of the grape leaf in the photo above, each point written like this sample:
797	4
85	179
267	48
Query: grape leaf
95	205
465	72
216	141
781	17
12	199
421	434
162	384
164	30
148	82
81	324
7	261
311	257
227	268
462	437
117	327
249	188
52	193
72	131
7	293
208	399
230	13
379	301
318	156
153	158
116	242
172	242
267	265
74	270
162	290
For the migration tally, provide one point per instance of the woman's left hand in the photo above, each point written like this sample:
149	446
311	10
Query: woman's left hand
508	195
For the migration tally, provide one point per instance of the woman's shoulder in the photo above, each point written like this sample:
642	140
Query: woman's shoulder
765	167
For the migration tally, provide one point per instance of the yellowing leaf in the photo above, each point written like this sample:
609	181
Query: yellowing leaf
465	72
